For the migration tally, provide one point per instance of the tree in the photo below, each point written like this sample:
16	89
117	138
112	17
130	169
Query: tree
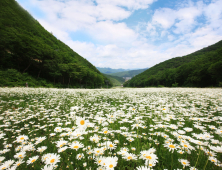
215	70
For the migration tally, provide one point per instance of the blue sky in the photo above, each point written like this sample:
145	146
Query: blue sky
130	33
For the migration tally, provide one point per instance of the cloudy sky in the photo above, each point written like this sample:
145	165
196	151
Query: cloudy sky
130	34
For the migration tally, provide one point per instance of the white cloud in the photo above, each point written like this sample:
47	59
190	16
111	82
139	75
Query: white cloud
164	17
151	29
112	32
182	19
171	37
213	13
187	18
182	25
111	12
213	10
130	4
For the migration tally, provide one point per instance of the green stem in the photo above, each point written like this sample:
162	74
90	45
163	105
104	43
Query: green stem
197	158
206	163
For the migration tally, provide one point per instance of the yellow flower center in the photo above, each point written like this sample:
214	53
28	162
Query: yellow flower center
111	166
33	160
171	146
129	157
184	163
22	138
106	132
110	145
76	147
82	122
148	157
185	146
52	161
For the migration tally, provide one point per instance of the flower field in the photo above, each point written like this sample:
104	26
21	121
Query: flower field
121	129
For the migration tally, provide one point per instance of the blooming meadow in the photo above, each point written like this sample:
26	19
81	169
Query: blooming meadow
153	128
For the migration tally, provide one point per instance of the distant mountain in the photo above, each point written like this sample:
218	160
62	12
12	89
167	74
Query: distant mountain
107	70
202	68
130	73
27	48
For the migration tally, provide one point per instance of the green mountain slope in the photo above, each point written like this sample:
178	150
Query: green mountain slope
202	68
130	73
116	81
27	47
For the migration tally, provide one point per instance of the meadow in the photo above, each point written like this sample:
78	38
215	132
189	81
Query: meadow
106	129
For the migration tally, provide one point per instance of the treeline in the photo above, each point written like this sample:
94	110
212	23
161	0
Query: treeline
13	78
28	48
199	69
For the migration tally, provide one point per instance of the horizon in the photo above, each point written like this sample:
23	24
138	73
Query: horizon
135	34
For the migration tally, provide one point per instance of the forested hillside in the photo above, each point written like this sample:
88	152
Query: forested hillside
199	69
26	47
